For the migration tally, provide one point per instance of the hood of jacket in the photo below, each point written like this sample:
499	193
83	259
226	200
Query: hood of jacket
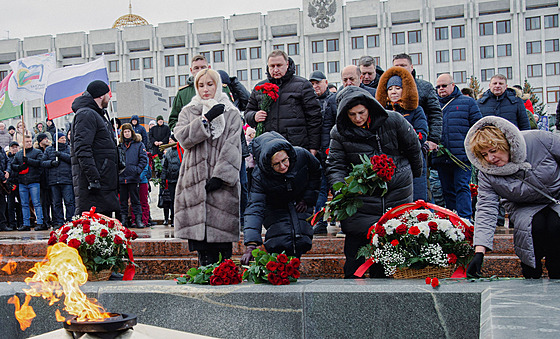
517	147
352	96
289	73
85	100
409	100
266	145
135	117
36	127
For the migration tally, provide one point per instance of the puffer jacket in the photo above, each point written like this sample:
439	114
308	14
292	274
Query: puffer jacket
296	115
428	100
388	133
274	195
136	160
328	109
30	172
146	174
5	139
139	129
458	116
534	157
507	106
62	174
170	166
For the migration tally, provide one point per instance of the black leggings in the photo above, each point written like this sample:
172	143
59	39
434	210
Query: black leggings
546	237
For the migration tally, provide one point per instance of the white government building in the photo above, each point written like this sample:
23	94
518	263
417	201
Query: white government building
518	38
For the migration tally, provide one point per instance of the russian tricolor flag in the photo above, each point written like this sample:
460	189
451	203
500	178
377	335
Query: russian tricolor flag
66	84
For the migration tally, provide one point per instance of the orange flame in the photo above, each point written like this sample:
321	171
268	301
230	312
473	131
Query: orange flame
25	313
10	267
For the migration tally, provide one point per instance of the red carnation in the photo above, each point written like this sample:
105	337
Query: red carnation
435	282
295	262
65	229
285	281
63	238
271	277
86	222
118	240
102	221
469	233
90	239
283	274
380	230
134	235
271	266
401	229
395	242
422	217
127	233
452	258
281	267
76	222
104	233
282	258
428	280
87	228
74	243
414	230
52	240
111	224
433	226
290	269
296	274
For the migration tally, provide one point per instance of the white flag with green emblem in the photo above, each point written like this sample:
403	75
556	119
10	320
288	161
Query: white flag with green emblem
30	77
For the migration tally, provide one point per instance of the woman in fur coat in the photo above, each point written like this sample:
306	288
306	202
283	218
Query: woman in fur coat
523	169
207	193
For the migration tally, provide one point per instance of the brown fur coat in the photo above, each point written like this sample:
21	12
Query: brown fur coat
409	100
199	215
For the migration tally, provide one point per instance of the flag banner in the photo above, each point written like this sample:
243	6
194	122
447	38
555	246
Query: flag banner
7	109
30	77
66	84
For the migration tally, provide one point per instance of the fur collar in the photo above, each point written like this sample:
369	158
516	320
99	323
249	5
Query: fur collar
218	125
517	147
409	100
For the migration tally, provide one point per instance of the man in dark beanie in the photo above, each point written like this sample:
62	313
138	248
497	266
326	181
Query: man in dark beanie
42	141
159	135
94	152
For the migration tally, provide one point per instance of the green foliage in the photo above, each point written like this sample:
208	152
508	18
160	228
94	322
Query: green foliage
199	275
475	86
538	107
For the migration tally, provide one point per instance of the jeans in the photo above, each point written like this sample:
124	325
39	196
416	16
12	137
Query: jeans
420	184
435	188
456	190
59	193
33	190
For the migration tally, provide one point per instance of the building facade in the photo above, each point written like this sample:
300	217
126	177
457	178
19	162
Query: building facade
518	38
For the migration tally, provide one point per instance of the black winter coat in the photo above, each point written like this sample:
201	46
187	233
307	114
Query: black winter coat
328	108
159	133
62	174
170	166
136	161
94	157
30	172
508	106
428	99
296	115
273	197
388	133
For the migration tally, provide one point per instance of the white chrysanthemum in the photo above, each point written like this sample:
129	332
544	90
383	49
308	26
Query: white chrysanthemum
455	234
444	225
424	228
391	225
375	240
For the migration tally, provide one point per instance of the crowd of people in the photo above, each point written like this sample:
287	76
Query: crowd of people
219	178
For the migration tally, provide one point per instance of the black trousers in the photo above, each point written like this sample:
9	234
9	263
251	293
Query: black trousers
131	191
166	210
209	253
352	244
546	237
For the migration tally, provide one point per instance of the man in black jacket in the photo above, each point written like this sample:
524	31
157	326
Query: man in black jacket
94	152
370	72
159	135
296	115
14	207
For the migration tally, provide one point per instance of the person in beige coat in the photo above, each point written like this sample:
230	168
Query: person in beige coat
208	189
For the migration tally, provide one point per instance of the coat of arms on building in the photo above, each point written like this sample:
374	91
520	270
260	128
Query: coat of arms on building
322	12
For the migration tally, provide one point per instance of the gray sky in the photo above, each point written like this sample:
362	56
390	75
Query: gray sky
24	18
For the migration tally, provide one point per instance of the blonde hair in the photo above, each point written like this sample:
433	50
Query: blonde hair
488	137
215	76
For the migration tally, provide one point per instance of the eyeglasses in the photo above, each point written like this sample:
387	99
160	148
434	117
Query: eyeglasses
442	86
284	162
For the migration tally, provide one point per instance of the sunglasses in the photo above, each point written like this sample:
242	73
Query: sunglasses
442	86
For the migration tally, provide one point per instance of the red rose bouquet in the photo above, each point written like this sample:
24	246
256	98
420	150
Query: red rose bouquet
370	176
103	243
269	95
220	273
277	269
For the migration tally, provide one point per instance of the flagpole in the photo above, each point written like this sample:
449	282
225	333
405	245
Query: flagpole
23	125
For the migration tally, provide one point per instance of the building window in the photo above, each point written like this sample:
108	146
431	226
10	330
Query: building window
553	94
218	56
148	63
319	66
317	46
298	69
553	68
551	21
169	60
206	55
503	27
551	45
458	32
241	54
442	33
36	112
373	41
533	23
442	56
333	66
355	62
459	54
486	74
256	73
182	59
486	28
486	52
416	58
112	86
537	91
358	42
242	74
170	81
332	45
398	38
183	80
255	52
293	49
507	71
135	79
279	47
3	74
113	66
534	71
460	77
149	80
134	64
533	47
414	37
504	50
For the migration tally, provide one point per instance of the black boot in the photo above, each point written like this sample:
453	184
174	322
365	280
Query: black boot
165	222
41	227
24	228
140	224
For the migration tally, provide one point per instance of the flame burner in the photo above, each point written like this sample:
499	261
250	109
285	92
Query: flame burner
107	328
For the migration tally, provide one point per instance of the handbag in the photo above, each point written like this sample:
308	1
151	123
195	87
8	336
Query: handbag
164	198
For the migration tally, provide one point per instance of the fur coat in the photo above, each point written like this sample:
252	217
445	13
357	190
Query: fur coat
199	215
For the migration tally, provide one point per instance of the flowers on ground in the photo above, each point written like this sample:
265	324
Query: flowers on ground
277	269
220	273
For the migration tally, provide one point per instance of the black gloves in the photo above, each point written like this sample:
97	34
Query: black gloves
214	112
473	270
425	148
57	153
55	163
24	159
94	187
247	256
213	184
301	207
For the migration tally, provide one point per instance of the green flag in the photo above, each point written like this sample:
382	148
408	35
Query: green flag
7	110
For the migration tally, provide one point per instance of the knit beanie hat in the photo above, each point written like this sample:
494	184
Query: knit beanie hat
159	117
11	128
41	137
395	80
59	135
97	88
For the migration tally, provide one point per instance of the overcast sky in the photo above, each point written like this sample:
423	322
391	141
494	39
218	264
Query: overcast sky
23	18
